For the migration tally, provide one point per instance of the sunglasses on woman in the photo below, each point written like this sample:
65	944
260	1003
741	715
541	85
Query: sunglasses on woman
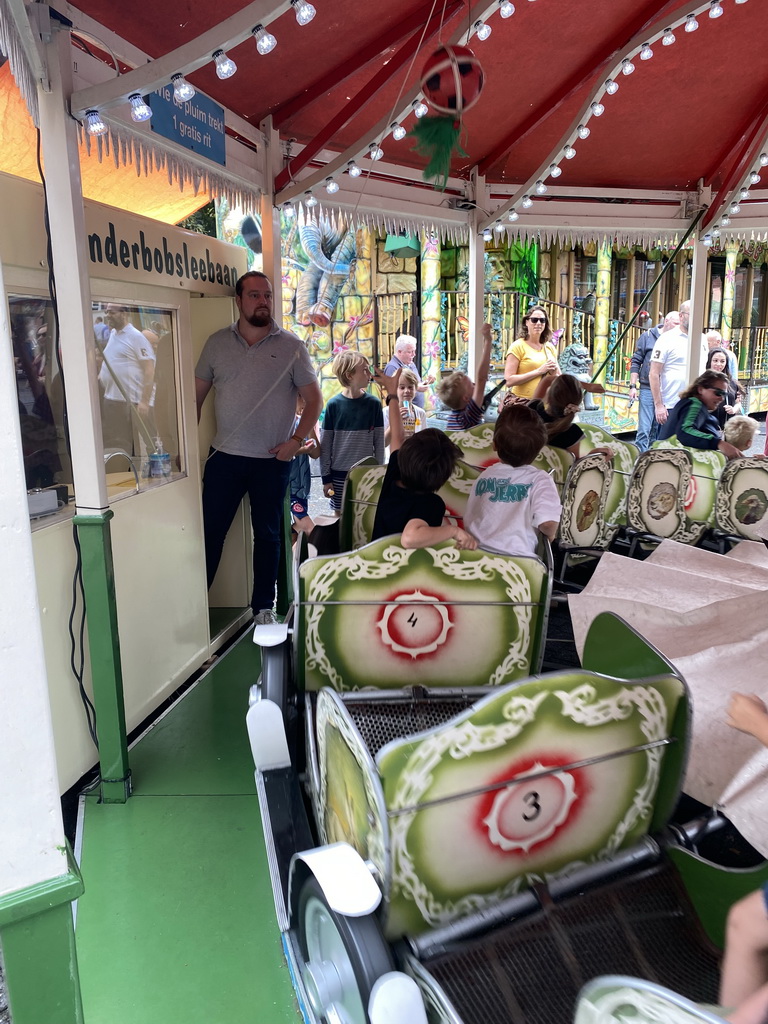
718	391
537	319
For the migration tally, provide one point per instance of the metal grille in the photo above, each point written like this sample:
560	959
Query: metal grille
391	720
531	971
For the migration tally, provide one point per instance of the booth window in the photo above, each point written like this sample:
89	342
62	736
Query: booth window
135	359
40	394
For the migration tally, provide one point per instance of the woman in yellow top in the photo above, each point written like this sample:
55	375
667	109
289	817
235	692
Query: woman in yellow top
532	356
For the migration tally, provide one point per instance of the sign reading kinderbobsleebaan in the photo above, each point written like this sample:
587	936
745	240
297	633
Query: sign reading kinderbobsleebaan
196	124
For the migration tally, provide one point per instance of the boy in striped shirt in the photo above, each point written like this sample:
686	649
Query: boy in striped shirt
353	425
461	396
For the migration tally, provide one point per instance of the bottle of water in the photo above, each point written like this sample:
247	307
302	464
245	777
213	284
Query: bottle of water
160	461
409	416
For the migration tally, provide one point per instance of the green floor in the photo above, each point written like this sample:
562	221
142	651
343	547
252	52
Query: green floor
177	922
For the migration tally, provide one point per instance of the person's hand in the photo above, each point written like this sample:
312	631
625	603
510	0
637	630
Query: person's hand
485	332
284	452
328	490
607	452
142	408
464	541
387	384
549	367
660	413
728	409
745	711
429	379
730	451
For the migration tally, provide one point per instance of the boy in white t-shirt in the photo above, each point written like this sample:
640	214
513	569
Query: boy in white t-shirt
512	499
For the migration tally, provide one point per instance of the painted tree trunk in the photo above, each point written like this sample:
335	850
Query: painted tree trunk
430	313
729	291
603	302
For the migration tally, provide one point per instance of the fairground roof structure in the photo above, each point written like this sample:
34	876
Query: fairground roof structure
620	117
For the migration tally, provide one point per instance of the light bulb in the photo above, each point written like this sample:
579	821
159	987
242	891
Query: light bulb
541	188
506	9
482	30
309	200
764	159
611	87
715	9
225	66
487	235
354	171
569	152
555	171
716	231
93	123
741	1
627	67
706	239
690	23
668	38
331	186
304	11
398	132
289	210
498	227
582	131
646	52
735	208
597	108
420	108
265	41
725	221
139	109
526	202
513	215
182	90
744	194
754	178
375	152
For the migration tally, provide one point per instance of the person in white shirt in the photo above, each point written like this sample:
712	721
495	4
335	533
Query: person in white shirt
512	500
127	379
668	370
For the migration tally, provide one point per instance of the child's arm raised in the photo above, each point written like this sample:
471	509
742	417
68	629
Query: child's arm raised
389	386
483	367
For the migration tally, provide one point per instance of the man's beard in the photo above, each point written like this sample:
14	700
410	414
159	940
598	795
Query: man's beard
259	318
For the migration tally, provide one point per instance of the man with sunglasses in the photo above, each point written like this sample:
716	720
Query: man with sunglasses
692	421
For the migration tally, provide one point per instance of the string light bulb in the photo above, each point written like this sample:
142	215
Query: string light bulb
139	109
627	67
611	86
289	210
420	108
540	187
375	152
597	108
741	1
303	10
690	23
569	152
646	52
506	9
668	38
735	208
725	220
398	132
744	194
482	30
354	171
582	131
716	231
331	186
715	9
754	178
225	66
487	235
706	239
526	202
513	215
498	227
309	200
93	123
555	170
182	90
764	159
265	41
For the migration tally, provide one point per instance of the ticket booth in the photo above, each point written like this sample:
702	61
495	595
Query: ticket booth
160	291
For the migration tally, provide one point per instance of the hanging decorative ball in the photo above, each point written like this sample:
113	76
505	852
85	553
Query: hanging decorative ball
452	80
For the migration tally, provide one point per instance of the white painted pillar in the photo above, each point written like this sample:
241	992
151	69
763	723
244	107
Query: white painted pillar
70	261
32	849
270	217
698	304
476	278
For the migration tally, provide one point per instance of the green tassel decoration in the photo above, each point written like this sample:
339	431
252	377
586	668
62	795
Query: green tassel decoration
438	139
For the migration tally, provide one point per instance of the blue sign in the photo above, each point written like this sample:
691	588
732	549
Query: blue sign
196	124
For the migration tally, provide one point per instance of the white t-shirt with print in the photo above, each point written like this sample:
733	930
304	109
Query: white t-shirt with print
671	350
506	505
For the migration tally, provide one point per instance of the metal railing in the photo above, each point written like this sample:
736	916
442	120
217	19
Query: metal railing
750	345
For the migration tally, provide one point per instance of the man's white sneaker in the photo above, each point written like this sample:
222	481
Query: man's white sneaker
266	617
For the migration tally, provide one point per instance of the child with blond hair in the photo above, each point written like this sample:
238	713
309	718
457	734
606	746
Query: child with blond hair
414	418
353	425
461	396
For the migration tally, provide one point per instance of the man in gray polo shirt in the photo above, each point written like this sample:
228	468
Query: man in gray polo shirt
256	370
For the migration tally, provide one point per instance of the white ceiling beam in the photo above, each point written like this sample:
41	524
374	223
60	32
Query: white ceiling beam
29	38
183	60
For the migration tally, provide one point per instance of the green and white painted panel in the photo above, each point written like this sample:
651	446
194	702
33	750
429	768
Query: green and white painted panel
656	498
742	497
702	487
